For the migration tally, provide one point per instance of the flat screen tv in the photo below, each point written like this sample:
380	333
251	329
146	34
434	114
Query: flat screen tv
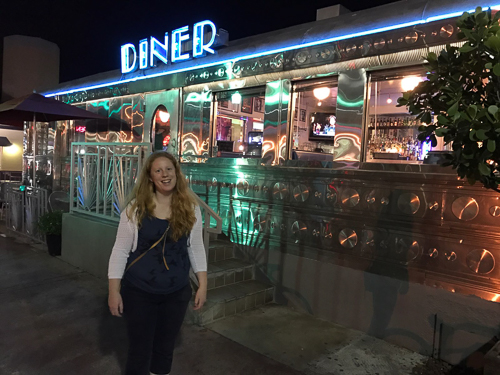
255	138
322	126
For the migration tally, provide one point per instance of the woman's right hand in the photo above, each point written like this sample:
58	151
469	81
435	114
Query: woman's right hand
115	303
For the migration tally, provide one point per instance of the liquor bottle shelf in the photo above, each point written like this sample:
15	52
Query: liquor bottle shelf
394	127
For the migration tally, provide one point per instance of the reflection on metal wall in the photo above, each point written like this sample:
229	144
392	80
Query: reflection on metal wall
124	124
350	103
276	122
170	101
195	135
429	228
286	87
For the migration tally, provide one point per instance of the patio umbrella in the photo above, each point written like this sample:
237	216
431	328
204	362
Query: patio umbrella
36	107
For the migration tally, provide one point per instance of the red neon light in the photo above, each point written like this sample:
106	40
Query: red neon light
81	129
166	140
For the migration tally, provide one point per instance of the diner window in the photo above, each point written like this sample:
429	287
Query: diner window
391	131
239	123
314	118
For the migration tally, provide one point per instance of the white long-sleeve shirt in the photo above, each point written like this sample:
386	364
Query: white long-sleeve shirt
126	242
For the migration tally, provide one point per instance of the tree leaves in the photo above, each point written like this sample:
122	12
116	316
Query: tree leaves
467	48
427	118
493	42
491	145
453	109
440	132
496	69
472	111
463	91
484	169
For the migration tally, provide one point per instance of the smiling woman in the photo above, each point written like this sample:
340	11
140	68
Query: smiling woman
164	179
158	241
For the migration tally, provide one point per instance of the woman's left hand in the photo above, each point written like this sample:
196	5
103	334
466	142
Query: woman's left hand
200	298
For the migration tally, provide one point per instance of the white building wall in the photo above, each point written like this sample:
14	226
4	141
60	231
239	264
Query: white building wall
11	157
28	64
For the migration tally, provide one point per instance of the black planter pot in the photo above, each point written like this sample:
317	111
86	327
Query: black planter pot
54	244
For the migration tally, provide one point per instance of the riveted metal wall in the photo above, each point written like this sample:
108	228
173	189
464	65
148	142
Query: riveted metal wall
431	226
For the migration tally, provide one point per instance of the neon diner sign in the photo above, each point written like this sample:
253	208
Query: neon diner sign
152	51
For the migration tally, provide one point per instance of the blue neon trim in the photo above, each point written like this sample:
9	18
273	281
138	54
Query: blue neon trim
125	58
155	53
177	38
269	52
198	38
143	54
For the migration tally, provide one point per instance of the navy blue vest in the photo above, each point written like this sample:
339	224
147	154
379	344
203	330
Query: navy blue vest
150	273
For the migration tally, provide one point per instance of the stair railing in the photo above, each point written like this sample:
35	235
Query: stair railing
207	213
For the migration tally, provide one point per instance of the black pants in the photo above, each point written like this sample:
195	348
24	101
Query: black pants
153	322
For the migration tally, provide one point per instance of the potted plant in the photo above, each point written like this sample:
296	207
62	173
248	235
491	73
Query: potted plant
50	224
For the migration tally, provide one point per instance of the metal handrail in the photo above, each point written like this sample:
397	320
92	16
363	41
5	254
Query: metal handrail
208	213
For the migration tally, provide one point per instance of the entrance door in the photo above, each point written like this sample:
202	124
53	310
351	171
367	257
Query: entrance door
162	115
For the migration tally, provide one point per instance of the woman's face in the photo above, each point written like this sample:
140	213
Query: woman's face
163	176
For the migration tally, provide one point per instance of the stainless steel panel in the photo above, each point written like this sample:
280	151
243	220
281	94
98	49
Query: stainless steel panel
348	238
195	133
274	145
280	191
285	97
409	203
299	231
465	208
396	219
350	104
480	261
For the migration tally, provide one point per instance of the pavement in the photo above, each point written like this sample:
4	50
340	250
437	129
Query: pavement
56	321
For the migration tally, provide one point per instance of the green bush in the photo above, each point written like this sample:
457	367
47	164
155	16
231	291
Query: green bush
50	223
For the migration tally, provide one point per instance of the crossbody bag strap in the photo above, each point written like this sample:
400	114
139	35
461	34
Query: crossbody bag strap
152	246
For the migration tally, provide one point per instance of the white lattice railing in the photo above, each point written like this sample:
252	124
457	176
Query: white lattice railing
103	175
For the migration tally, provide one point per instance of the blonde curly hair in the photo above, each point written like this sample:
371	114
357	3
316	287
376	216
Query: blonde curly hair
183	202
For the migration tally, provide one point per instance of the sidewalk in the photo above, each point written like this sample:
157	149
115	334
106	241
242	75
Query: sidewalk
55	321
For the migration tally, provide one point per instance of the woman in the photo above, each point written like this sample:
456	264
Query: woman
158	240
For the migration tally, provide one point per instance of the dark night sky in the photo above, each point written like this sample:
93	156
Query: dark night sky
90	33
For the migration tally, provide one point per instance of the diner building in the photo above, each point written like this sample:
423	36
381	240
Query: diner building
295	140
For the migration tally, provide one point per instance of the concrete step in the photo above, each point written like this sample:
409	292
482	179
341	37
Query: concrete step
232	299
228	271
220	250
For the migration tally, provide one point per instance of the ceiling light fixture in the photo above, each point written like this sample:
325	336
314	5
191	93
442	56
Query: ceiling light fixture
321	93
236	98
409	83
164	116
